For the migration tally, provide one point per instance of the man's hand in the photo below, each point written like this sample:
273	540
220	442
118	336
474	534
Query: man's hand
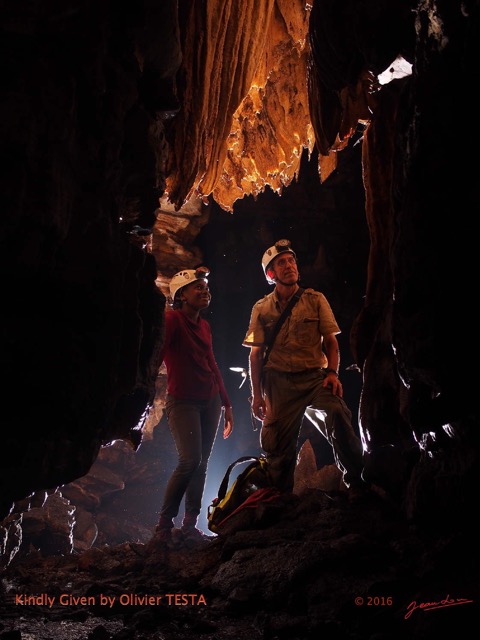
332	381
258	407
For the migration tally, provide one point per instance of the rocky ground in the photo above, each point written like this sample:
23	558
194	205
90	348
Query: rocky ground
320	565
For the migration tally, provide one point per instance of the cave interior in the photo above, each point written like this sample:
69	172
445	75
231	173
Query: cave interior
143	138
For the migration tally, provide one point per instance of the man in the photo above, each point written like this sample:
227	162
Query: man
300	376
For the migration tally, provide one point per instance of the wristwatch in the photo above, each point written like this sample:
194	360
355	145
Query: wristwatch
329	370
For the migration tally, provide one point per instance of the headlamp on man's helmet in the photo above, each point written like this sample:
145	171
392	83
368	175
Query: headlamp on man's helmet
182	278
281	246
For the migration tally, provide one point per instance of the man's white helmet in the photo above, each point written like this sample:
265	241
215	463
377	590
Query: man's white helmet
281	246
182	278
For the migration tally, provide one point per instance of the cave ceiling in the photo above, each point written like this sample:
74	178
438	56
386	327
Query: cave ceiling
247	73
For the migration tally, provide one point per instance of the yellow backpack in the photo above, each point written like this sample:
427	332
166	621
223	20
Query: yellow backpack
252	487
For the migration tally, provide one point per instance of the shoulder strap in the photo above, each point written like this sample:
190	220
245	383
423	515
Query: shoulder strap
285	313
224	484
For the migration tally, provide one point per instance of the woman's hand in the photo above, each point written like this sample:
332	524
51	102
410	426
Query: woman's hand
228	424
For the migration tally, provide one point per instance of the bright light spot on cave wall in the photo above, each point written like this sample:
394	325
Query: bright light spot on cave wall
399	68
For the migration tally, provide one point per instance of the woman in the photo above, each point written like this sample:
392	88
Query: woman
195	397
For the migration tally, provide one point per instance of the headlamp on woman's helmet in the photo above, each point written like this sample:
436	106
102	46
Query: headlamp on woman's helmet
187	276
281	246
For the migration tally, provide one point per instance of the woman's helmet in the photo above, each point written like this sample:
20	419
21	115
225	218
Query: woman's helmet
182	278
281	246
